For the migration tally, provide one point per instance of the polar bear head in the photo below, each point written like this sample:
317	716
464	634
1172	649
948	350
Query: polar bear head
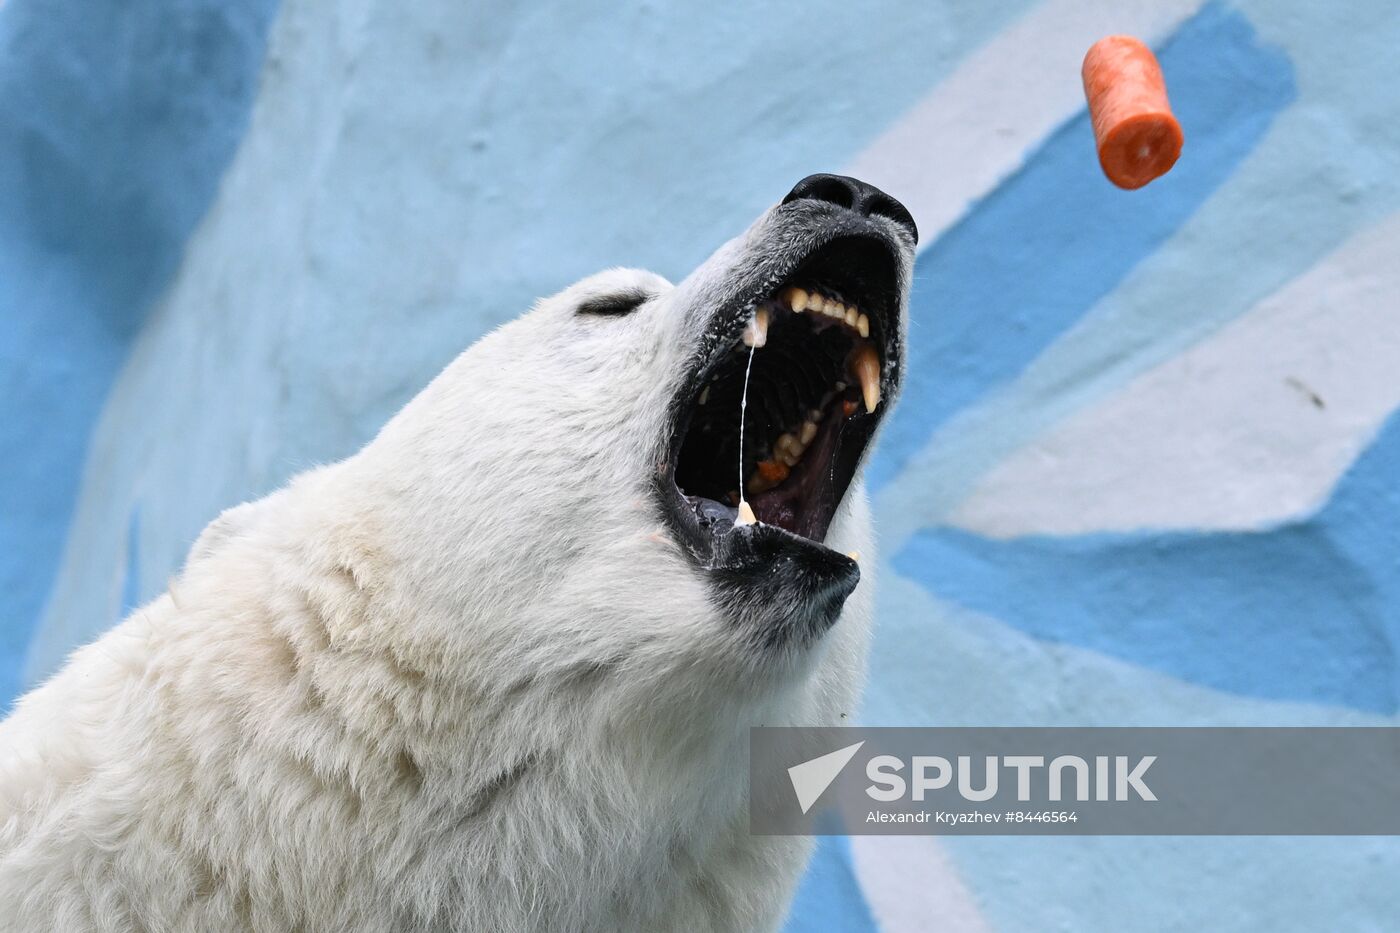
561	500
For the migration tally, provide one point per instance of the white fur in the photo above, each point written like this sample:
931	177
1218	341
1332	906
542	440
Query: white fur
462	680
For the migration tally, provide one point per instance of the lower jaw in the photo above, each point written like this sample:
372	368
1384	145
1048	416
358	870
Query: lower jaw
778	579
782	588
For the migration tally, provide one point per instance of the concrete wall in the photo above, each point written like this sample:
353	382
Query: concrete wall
1144	472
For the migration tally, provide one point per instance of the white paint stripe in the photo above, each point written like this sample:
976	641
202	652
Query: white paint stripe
977	126
971	132
911	886
1246	429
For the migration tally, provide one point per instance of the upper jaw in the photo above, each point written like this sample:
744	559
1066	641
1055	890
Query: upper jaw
797	244
768	255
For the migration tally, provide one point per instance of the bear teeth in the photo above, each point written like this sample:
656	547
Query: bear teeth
787	453
756	332
863	367
863	364
800	300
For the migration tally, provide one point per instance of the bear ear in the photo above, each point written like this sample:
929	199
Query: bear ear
615	304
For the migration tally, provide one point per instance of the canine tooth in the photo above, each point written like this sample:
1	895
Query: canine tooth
854	555
796	299
809	431
704	395
756	333
746	516
851	317
863	325
866	366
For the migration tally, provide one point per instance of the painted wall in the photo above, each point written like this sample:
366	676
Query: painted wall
1144	472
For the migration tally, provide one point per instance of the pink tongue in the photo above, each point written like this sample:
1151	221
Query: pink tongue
775	507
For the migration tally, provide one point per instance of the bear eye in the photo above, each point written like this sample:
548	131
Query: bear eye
615	305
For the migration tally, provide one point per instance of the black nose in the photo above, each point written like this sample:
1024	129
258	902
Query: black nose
845	191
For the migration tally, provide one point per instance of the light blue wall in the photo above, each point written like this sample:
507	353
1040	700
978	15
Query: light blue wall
116	122
235	237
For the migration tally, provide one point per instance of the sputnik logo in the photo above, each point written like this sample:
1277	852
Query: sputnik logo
811	778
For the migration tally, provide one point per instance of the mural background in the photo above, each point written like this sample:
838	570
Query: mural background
1144	471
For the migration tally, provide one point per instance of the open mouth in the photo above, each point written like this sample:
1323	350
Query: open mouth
818	355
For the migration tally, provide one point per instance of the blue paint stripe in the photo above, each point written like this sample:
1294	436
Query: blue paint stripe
829	897
1040	251
1309	611
116	122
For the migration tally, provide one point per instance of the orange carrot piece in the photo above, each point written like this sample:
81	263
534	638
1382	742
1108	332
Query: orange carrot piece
1138	138
775	471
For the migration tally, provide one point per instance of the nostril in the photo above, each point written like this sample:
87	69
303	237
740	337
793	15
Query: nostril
830	188
853	194
881	204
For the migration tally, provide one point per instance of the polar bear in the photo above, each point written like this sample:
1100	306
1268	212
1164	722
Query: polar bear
496	671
